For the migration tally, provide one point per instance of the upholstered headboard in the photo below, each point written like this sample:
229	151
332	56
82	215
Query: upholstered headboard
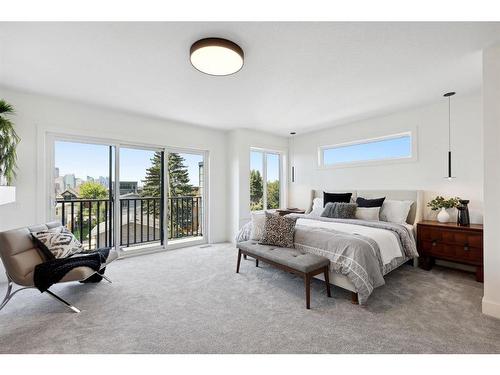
417	196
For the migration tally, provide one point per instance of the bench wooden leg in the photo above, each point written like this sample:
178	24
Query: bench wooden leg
239	261
354	298
327	282
307	284
256	263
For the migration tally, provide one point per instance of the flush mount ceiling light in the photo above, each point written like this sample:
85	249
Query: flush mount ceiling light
216	56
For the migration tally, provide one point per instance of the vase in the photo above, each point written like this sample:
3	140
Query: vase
443	216
463	218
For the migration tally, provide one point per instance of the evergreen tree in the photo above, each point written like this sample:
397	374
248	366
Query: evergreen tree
178	185
152	180
273	194
178	177
256	190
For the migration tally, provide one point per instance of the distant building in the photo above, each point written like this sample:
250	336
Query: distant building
90	179
104	181
68	194
69	181
127	187
58	185
56	173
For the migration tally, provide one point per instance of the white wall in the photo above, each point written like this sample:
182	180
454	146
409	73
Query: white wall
35	113
491	108
238	171
426	173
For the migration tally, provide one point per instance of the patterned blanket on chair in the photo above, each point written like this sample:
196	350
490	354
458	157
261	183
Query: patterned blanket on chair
52	271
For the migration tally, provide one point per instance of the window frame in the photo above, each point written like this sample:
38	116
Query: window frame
266	152
381	161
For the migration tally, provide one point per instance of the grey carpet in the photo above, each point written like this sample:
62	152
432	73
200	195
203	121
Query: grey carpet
192	301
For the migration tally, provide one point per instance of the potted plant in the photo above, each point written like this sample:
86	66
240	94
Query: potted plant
8	156
442	204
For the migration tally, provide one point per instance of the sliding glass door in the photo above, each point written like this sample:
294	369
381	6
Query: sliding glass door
141	192
186	196
143	198
83	191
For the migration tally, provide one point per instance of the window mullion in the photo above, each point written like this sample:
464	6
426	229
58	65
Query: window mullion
264	178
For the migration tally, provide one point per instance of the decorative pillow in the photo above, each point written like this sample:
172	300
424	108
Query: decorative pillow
368	213
258	223
363	202
278	230
340	210
317	207
58	242
395	211
336	197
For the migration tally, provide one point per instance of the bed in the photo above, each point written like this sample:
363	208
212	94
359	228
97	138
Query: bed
361	252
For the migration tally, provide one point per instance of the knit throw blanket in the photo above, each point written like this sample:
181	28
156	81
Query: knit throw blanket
51	272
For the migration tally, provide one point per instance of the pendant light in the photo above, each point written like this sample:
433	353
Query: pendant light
449	95
290	151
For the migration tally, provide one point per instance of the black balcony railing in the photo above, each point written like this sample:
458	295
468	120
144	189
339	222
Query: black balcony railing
91	220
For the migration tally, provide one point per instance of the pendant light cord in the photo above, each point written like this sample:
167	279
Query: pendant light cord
449	123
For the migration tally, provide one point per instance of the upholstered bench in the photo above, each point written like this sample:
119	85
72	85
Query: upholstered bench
291	260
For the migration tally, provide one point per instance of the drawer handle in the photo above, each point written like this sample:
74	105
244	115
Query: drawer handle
466	247
434	242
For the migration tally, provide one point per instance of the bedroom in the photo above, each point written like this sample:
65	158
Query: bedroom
299	200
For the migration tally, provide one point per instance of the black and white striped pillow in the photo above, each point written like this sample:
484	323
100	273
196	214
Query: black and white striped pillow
57	243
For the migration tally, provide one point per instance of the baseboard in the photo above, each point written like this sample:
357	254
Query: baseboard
491	308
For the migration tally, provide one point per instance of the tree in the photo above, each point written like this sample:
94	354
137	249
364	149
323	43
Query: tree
256	190
273	194
92	190
178	185
178	177
152	180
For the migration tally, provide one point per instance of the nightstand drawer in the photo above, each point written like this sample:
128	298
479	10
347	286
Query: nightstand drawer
462	253
431	234
462	238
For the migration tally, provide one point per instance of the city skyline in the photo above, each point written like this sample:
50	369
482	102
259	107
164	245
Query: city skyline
93	161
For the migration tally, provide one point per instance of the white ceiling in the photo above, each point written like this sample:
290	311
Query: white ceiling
296	77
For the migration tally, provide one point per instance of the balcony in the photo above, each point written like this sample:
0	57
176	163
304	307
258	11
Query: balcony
141	220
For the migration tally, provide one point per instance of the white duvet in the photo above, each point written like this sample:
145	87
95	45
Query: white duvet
385	239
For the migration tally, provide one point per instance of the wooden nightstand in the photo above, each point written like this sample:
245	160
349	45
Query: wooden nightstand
451	242
286	211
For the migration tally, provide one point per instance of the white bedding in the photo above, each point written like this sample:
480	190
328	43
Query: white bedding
385	239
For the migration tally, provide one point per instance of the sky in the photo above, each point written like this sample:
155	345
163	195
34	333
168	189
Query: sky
383	149
82	160
273	164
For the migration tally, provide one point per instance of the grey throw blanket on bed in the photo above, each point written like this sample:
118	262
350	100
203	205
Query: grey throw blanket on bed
353	255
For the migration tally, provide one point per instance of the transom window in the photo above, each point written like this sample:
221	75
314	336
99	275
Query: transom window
265	182
392	147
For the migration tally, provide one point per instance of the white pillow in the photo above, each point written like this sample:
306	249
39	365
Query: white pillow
368	213
258	223
317	208
395	211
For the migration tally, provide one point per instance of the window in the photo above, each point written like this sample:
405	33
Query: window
393	147
265	166
156	198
